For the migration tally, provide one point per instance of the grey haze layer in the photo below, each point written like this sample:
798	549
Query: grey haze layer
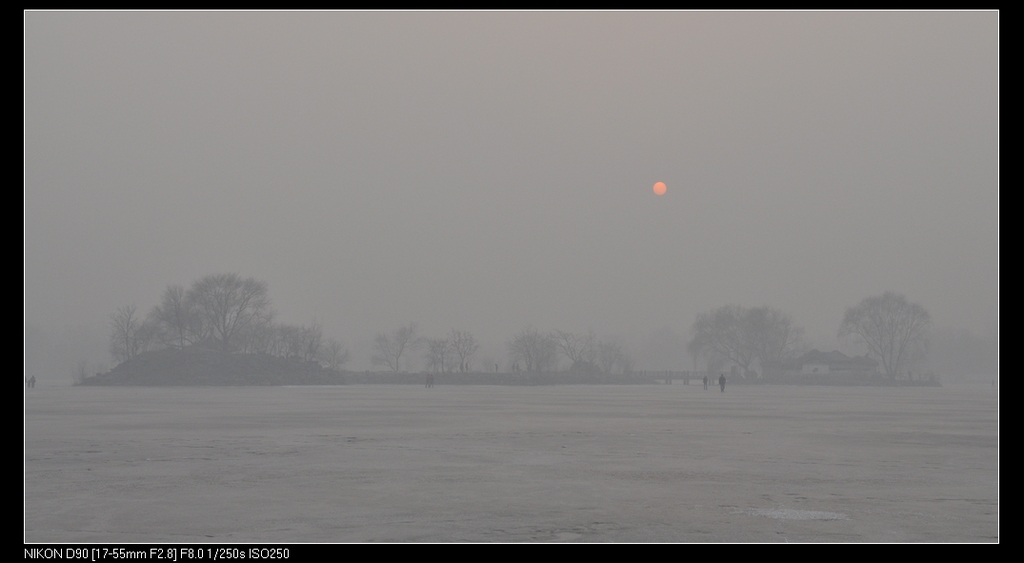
489	171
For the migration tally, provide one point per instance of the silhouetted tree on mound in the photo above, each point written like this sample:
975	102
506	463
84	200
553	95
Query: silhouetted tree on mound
229	306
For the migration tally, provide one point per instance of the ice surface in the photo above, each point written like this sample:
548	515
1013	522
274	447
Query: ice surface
591	463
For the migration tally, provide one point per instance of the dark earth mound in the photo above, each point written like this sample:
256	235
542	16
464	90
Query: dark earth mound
195	366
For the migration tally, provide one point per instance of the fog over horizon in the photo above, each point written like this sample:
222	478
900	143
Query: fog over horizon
489	171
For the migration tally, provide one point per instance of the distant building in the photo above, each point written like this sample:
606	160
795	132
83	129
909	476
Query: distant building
833	363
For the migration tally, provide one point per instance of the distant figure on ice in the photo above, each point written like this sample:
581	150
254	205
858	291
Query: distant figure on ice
430	380
721	382
705	382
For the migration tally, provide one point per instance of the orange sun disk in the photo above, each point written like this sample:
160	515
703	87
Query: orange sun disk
659	188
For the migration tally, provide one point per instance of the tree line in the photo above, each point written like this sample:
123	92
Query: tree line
891	329
538	351
528	350
454	351
231	313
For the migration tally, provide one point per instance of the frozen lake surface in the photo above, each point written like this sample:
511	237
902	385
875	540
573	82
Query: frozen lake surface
401	463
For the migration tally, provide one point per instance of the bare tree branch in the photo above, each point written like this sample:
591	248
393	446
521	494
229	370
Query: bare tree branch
388	348
742	336
890	326
230	305
537	351
465	346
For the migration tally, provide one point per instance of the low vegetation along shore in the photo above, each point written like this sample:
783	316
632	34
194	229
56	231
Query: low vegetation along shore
221	331
203	367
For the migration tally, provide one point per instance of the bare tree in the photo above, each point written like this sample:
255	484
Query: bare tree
611	357
262	336
274	340
743	335
293	339
440	353
772	332
579	348
178	324
125	341
464	346
229	305
288	341
719	336
388	348
334	354
538	352
312	340
891	327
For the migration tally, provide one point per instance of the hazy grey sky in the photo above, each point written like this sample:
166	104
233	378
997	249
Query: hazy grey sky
492	170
